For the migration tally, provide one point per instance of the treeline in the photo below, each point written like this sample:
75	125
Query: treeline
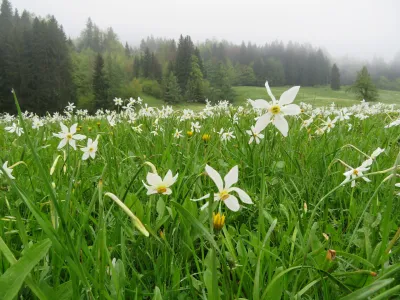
35	61
47	70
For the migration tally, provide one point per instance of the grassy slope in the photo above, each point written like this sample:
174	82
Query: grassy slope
318	96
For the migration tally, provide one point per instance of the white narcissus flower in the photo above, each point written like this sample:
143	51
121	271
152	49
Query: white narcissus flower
196	126
15	128
68	136
70	107
7	170
90	150
254	135
111	120
277	111
329	124
36	123
307	123
377	152
178	134
358	172
225	189
157	185
118	101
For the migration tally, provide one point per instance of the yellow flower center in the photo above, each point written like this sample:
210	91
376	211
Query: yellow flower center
69	136
161	189
223	195
91	149
329	125
355	172
275	109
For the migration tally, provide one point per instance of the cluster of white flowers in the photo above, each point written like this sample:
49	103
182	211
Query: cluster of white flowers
69	137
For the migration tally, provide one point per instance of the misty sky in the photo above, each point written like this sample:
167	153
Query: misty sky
359	28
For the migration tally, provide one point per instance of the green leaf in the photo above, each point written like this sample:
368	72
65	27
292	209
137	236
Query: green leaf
65	291
195	223
367	291
11	281
160	207
157	294
256	287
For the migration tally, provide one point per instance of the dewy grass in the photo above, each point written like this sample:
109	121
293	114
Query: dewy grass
298	231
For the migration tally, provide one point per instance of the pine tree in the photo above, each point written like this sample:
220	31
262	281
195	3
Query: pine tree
201	65
100	85
363	87
195	84
146	63
127	50
137	67
221	88
183	62
6	40
156	69
171	89
335	78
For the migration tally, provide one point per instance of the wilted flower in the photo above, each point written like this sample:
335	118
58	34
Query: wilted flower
330	254
277	110
377	152
68	136
7	170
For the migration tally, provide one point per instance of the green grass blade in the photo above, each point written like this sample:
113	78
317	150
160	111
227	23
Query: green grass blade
11	281
368	291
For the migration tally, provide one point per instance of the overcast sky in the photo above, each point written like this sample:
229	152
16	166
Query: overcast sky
358	28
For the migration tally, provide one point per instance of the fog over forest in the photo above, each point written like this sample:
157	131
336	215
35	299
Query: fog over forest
357	28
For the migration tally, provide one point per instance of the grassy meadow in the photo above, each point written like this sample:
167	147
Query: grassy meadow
108	227
317	96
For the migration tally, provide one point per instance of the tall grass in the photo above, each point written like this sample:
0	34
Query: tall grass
306	236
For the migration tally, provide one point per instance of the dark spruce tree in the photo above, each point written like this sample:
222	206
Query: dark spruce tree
137	67
195	84
156	68
100	85
183	61
146	63
335	78
6	52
